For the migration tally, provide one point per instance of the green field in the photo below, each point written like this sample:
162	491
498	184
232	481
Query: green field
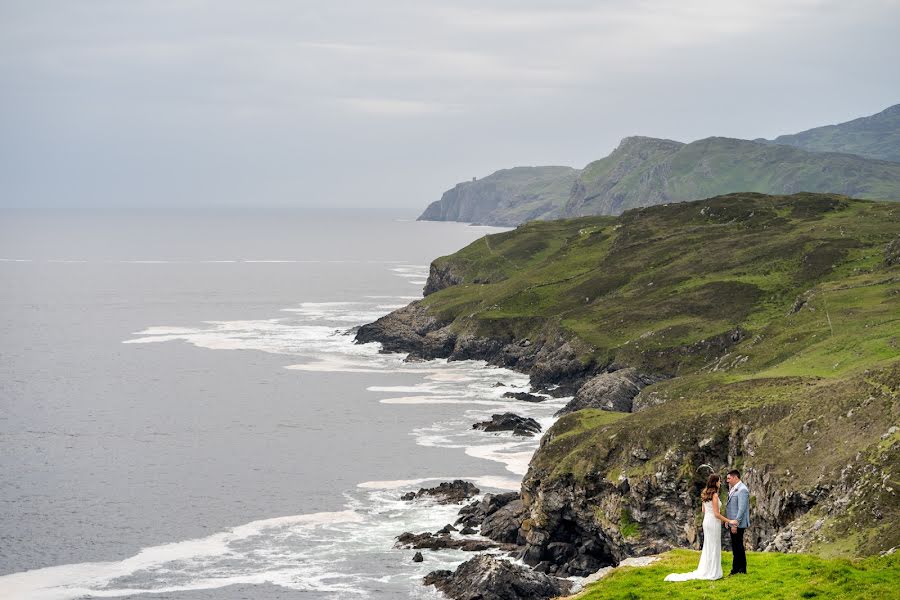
771	576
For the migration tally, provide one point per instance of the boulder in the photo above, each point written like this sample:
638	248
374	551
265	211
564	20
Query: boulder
524	396
487	577
445	493
523	426
443	541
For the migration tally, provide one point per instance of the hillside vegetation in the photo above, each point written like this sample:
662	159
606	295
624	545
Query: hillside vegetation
648	171
776	323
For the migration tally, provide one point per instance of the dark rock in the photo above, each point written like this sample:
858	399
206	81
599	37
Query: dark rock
525	396
609	391
431	541
417	557
553	361
447	529
509	422
499	384
446	492
468	531
473	514
435	576
503	525
440	276
487	577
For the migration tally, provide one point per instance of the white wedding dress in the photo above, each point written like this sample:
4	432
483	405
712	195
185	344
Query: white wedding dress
710	566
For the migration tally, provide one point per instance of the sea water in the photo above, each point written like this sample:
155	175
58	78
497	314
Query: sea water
184	414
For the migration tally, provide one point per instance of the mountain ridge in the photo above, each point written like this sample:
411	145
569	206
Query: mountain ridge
643	171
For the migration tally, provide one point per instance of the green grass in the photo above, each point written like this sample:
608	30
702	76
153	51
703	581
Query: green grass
770	576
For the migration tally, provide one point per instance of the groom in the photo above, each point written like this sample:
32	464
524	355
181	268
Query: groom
738	509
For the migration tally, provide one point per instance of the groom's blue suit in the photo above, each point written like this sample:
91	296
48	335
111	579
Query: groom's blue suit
738	509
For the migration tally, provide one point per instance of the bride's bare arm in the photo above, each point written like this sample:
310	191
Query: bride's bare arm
715	507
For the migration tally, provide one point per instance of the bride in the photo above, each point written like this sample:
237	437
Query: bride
710	566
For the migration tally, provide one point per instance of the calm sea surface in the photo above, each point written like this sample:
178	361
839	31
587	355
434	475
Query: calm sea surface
183	416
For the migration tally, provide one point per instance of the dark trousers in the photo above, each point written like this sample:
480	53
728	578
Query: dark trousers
739	564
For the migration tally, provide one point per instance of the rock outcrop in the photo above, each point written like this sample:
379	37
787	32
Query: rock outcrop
523	426
474	513
553	362
446	493
524	396
442	541
487	577
613	391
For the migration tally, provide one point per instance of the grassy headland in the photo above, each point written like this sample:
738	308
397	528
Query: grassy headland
777	322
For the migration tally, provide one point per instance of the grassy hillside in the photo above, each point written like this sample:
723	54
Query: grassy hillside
777	319
646	171
642	288
771	576
876	136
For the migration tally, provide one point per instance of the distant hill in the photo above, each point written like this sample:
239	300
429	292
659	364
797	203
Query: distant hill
644	171
876	136
647	171
507	197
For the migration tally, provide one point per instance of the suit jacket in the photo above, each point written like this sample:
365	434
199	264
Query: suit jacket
738	507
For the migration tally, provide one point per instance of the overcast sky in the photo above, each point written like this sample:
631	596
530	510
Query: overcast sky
137	103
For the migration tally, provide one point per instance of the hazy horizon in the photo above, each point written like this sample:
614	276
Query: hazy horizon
282	105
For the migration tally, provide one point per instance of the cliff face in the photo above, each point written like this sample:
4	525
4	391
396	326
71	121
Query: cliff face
760	332
817	456
505	198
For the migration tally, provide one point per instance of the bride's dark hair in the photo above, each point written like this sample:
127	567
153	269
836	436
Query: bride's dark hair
711	489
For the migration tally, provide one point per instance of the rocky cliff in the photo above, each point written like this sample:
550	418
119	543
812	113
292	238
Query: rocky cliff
505	198
749	331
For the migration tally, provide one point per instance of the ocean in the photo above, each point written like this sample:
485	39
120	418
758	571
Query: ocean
184	414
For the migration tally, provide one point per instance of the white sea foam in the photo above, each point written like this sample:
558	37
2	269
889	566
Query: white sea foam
497	482
437	400
334	556
516	462
444	376
158	566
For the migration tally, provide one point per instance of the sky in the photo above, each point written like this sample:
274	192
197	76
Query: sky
139	104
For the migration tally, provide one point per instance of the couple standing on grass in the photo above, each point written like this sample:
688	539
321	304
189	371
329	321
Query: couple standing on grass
736	520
